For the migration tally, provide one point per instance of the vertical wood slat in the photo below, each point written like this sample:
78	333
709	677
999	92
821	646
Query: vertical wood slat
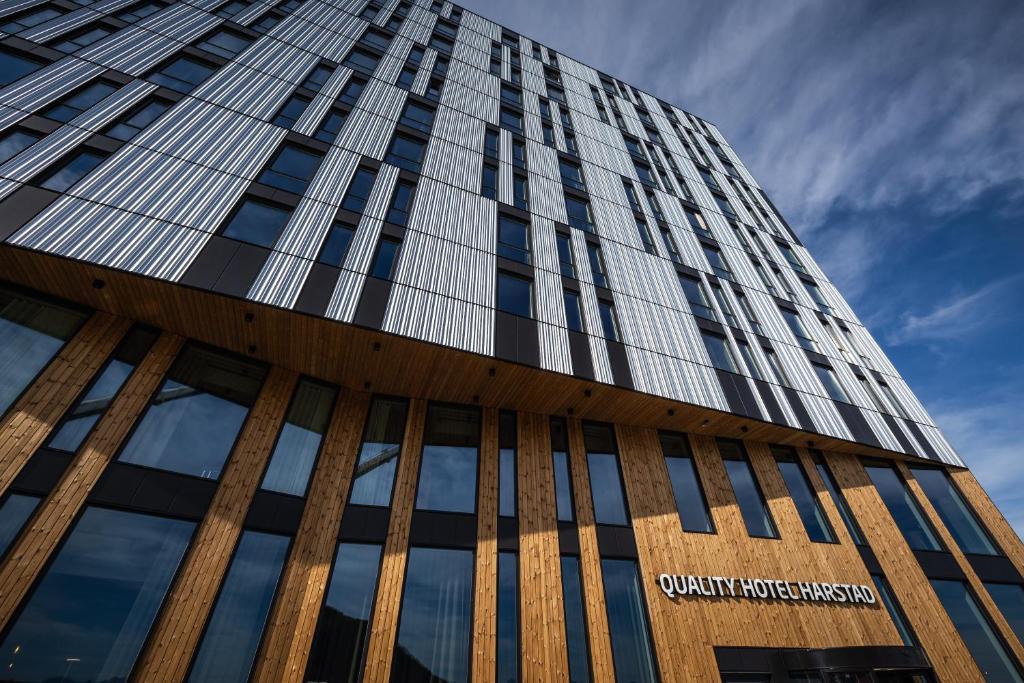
601	665
176	633
61	507
987	604
485	590
33	416
292	624
545	657
1000	529
384	629
946	651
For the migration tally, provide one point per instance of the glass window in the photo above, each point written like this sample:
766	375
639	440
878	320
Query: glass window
266	22
670	245
401	203
508	618
748	357
14	512
72	170
634	201
572	174
257	222
77	103
632	650
515	294
748	494
379	452
384	260
132	124
893	401
233	634
343	626
26	20
831	382
570	143
511	120
895	613
406	152
329	128
719	351
903	508
183	74
442	44
513	238
291	111
406	77
815	293
563	480
31	333
435	630
682	473
336	245
140	11
489	181
16	141
507	464
512	95
520	192
377	39
225	43
518	153
605	478
575	621
645	236
361	60
417	116
101	594
1009	598
317	78
565	261
448	466
803	337
191	423
597	265
973	626
717	262
609	321
353	89
359	190
748	312
803	497
730	317
697	297
776	365
573	312
491	143
297	447
78	422
840	501
958	517
578	212
549	134
292	169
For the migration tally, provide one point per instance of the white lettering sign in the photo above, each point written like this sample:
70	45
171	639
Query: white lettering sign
674	585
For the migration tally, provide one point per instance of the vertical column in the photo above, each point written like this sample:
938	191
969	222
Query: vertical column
542	614
31	419
292	624
485	593
938	637
61	507
384	630
177	630
601	664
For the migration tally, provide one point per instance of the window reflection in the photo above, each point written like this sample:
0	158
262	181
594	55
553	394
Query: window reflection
448	468
1009	598
973	626
575	621
690	501
627	622
803	497
507	464
903	508
90	614
14	512
563	480
300	439
508	618
958	517
748	494
605	480
378	456
192	422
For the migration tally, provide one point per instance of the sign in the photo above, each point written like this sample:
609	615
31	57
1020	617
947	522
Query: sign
674	585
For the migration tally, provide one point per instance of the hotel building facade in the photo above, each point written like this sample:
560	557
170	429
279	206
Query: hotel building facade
373	341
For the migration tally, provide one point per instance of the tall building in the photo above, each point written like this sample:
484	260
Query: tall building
345	341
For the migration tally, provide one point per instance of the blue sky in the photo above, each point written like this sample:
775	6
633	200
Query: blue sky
891	135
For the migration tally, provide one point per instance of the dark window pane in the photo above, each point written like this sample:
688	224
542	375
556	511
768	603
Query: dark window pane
449	462
1009	598
578	212
352	90
359	190
336	245
78	103
291	111
192	422
572	174
609	324
748	494
697	298
811	514
973	626
133	124
361	60
401	203
840	501
627	622
515	295
831	382
573	314
682	473
257	223
73	170
20	22
377	39
803	337
605	479
717	262
343	627
140	11
317	77
417	116
16	141
378	454
565	260
718	349
885	595
297	446
903	508
384	260
407	153
330	126
507	471
511	120
954	511
406	77
225	43
31	333
94	403
597	265
14	512
491	143
508	618
292	169
100	594
233	634
489	181
575	621
435	631
183	74
563	487
513	239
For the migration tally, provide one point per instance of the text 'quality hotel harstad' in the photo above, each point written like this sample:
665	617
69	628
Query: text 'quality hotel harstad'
348	341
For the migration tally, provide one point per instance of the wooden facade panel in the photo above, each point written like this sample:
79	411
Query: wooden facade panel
56	514
1008	540
542	620
291	626
28	423
384	629
177	630
946	651
485	590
